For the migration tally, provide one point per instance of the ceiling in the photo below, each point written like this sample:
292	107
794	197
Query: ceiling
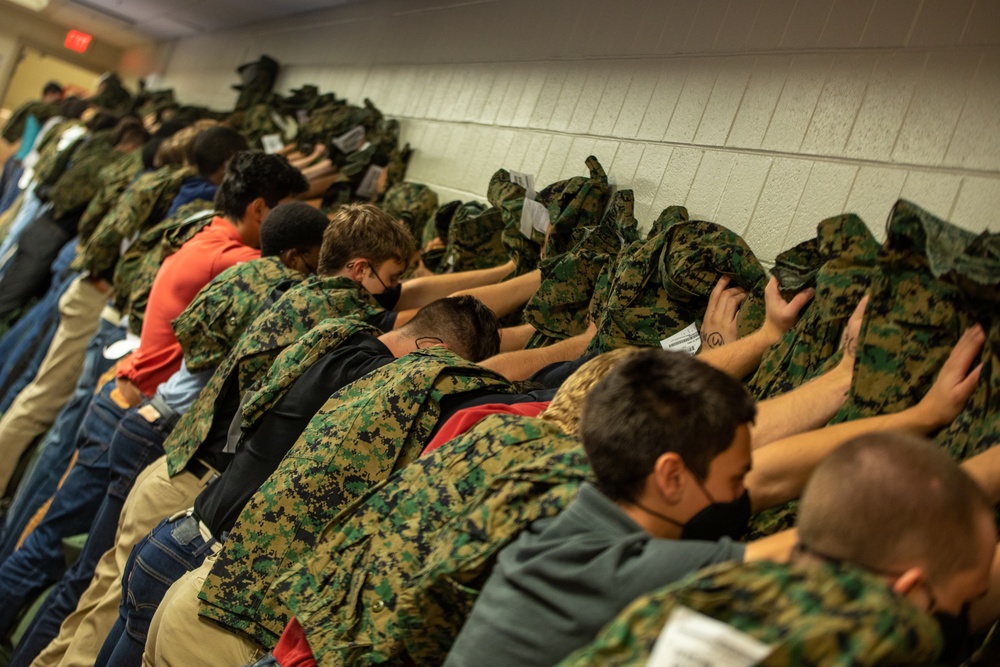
127	22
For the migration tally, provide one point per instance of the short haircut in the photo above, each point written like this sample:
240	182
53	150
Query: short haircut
656	402
52	88
213	148
252	174
295	225
463	323
177	148
364	230
566	406
885	501
102	120
130	133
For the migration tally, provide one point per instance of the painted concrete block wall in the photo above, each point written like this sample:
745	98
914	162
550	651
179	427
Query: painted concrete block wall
763	115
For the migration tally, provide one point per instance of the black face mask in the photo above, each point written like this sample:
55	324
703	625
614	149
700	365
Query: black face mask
955	630
389	297
715	521
719	520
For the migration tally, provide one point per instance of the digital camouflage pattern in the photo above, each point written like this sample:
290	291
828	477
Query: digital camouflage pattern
560	307
508	198
112	181
473	239
395	574
931	281
295	360
441	219
77	185
362	434
137	267
113	95
662	284
209	328
836	616
256	81
14	127
53	153
413	204
297	311
838	263
257	123
141	205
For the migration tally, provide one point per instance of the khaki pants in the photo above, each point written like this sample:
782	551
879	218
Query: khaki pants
154	497
179	637
36	407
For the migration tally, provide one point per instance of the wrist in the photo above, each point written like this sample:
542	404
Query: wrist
922	418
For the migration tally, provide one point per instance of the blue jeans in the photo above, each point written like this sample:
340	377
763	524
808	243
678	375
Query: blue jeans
172	549
40	560
56	449
136	443
31	206
12	170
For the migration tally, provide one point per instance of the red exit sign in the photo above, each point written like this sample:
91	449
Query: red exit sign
77	41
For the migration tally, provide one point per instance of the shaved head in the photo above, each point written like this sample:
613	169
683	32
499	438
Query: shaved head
890	501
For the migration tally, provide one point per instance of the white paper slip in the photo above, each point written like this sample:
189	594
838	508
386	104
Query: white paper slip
302	115
690	639
687	340
351	140
272	143
526	181
370	181
120	348
534	216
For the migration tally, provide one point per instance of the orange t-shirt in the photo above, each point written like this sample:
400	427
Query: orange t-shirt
207	254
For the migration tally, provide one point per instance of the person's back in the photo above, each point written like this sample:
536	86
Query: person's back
895	547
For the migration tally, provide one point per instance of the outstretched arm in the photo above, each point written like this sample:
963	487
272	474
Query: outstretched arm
781	469
816	402
740	357
522	364
421	291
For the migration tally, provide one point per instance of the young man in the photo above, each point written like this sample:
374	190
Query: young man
669	442
207	329
461	324
894	552
232	237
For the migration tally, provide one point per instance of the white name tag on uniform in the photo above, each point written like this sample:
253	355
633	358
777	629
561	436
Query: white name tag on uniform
370	181
351	140
526	181
687	340
690	639
272	143
534	216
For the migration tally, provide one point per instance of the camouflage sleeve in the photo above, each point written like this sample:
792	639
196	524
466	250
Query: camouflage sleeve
113	180
79	183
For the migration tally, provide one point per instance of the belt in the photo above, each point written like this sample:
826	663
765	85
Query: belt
157	409
201	470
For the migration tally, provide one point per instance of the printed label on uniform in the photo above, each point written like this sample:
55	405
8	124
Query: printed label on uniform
370	181
534	216
687	340
526	181
351	140
272	143
690	639
302	115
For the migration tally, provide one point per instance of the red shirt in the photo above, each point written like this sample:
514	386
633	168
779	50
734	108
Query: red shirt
465	419
205	255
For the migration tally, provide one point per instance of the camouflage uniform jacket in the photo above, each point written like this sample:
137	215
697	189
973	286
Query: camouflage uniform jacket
472	239
78	184
137	267
560	307
811	615
413	204
112	181
662	284
396	574
55	150
298	357
143	204
213	322
363	433
297	311
575	202
932	281
838	263
14	127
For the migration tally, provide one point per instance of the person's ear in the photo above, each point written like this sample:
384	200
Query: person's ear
668	477
358	267
912	585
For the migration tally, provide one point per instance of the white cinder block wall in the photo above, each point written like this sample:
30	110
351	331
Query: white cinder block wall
763	115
